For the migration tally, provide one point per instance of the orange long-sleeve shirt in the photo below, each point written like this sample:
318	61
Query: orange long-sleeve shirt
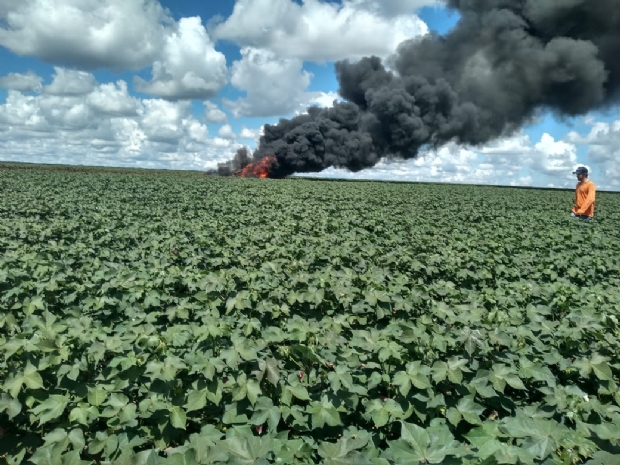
585	197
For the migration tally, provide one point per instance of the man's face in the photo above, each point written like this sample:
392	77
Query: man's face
581	177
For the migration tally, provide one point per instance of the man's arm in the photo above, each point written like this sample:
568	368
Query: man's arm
575	205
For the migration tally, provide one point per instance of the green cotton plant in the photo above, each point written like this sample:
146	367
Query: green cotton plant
171	318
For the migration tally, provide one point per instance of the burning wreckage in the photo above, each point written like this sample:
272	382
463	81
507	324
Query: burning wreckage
257	169
503	62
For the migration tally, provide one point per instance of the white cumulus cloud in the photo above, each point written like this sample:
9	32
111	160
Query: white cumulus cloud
70	82
89	34
273	85
189	68
319	30
253	134
213	113
393	8
119	35
602	143
226	132
515	161
107	126
113	99
323	99
28	82
553	157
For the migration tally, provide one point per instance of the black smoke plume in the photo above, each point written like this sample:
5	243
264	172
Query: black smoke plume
504	61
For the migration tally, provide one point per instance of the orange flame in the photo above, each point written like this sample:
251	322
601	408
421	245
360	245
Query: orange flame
258	169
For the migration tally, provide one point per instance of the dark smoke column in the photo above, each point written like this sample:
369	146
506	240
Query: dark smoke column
504	61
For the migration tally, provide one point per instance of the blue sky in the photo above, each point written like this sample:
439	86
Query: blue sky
223	74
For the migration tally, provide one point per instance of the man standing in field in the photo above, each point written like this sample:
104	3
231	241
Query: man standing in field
585	195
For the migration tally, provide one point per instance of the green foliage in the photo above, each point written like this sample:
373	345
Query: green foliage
172	318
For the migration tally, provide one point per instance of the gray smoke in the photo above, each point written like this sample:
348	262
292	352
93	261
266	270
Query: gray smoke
504	61
241	159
